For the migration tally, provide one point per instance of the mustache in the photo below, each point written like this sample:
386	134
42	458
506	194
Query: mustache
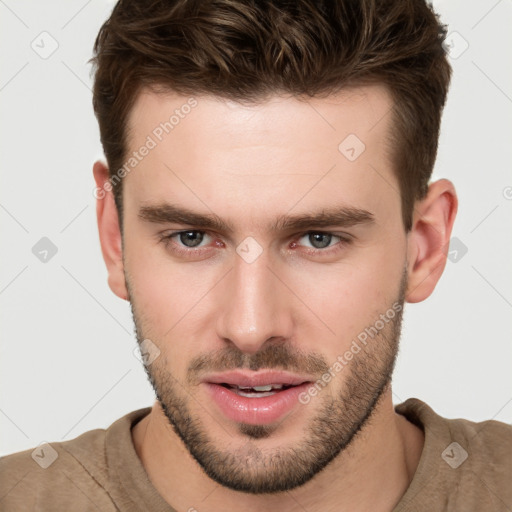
271	357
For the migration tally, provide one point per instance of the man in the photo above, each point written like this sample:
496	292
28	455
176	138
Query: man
266	210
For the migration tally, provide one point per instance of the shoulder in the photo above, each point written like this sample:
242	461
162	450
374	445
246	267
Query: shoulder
70	475
55	473
484	441
489	440
465	465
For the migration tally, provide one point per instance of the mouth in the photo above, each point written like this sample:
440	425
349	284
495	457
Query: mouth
256	398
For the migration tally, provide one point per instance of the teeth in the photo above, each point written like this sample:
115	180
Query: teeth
252	394
267	387
260	389
263	388
257	391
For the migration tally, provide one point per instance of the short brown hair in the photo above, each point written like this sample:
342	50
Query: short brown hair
247	50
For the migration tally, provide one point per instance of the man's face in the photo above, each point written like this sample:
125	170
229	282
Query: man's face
263	297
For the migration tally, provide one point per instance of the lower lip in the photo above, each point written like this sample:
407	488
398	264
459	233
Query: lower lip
255	411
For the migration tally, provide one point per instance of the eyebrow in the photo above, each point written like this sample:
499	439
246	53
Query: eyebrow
345	216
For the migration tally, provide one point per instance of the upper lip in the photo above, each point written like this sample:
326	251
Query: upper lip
261	378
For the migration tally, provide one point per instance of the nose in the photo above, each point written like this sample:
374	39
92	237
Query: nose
255	306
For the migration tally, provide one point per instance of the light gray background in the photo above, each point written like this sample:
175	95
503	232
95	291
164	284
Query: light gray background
67	362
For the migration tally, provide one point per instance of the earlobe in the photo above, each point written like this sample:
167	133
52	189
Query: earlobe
109	230
428	239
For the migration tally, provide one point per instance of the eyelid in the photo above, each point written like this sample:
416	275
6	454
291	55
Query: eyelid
344	240
343	235
175	234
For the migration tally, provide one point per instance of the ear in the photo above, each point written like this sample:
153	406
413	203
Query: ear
109	230
428	239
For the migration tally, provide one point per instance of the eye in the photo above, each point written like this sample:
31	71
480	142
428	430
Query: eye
320	240
191	244
183	240
190	239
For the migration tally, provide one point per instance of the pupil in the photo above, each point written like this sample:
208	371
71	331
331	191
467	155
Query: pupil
191	238
320	240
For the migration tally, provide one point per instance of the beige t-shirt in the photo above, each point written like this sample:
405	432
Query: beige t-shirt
464	466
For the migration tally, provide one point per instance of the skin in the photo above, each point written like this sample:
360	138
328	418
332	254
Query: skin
249	165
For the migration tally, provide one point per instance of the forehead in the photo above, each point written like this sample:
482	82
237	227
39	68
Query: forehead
284	150
357	110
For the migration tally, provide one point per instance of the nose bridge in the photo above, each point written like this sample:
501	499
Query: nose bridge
254	307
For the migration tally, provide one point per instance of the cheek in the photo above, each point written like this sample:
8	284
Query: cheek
350	296
174	302
158	291
163	316
160	284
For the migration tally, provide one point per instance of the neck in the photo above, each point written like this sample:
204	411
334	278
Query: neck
372	473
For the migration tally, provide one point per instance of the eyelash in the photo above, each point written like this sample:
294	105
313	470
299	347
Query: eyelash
168	237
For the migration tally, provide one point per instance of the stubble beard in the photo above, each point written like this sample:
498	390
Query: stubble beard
252	469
